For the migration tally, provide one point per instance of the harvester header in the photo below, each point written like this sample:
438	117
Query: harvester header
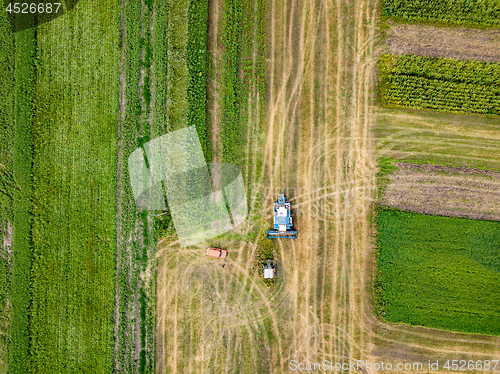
282	220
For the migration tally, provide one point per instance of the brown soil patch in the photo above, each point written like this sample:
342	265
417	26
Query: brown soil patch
445	191
460	43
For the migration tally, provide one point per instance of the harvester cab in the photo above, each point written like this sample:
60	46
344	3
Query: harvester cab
282	220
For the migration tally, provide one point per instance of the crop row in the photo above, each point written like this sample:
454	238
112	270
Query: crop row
440	83
177	69
478	13
16	110
231	135
7	128
196	56
135	309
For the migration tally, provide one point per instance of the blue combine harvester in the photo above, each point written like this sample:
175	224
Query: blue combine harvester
282	220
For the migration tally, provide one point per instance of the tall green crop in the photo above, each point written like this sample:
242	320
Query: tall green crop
477	13
440	83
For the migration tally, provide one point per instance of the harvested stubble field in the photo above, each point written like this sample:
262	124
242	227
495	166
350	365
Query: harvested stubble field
307	133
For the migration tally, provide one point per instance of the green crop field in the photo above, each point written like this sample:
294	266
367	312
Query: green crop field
74	168
476	13
439	272
440	83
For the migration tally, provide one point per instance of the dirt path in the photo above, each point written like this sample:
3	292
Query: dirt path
452	42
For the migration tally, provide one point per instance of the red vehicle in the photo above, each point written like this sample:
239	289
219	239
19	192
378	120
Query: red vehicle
216	252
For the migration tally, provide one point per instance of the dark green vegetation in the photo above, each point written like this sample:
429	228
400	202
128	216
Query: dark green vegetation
16	111
440	83
7	183
243	77
23	153
477	13
196	53
231	131
439	272
74	206
177	69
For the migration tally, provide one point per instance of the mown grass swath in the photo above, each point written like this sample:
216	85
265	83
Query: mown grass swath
74	231
477	13
440	83
438	272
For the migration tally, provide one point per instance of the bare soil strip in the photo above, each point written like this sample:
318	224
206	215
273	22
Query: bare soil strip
460	43
445	191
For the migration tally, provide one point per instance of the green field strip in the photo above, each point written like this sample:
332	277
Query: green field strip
177	68
135	236
7	183
17	60
196	56
474	13
439	272
231	132
23	156
75	150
